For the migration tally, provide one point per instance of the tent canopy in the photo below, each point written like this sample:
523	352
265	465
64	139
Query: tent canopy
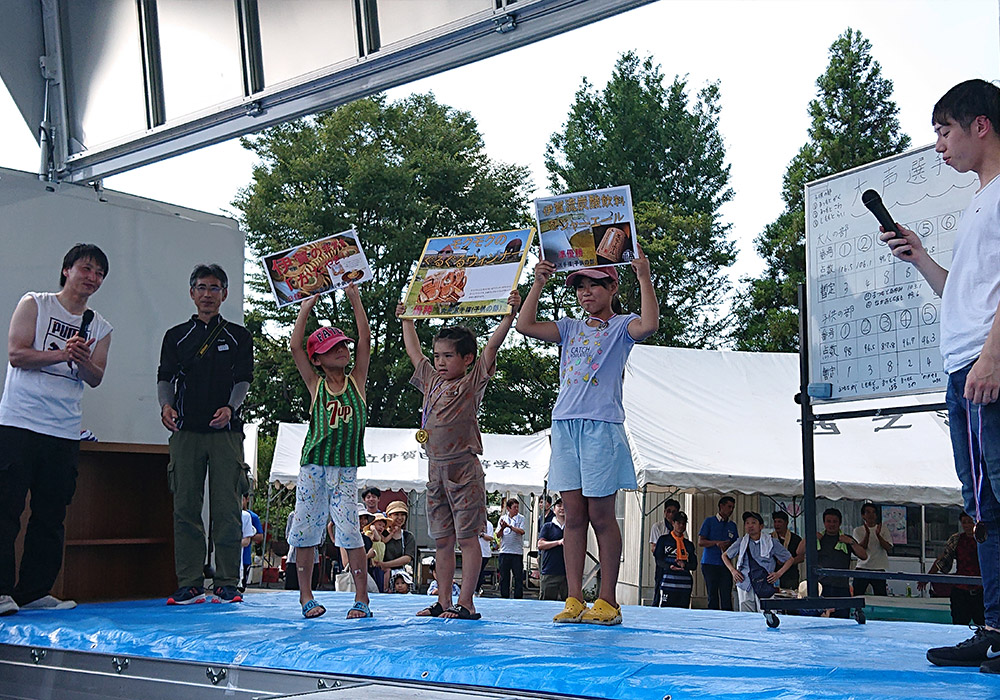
515	463
727	421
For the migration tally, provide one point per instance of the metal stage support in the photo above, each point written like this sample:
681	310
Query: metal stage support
34	673
813	601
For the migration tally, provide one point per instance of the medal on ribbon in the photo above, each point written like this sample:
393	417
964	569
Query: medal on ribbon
422	436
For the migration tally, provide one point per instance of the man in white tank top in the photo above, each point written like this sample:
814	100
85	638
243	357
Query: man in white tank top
966	120
56	345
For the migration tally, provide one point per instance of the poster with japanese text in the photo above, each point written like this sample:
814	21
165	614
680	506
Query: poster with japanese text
470	275
894	520
587	229
317	267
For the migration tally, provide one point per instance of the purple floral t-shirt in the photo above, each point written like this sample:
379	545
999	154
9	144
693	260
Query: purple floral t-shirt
591	369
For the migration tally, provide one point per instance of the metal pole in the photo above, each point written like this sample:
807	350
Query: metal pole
642	538
808	457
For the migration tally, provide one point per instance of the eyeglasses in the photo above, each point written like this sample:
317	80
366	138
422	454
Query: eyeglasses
202	288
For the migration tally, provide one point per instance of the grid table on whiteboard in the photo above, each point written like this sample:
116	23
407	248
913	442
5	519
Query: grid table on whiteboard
874	322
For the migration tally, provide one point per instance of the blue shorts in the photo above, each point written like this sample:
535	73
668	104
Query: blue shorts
592	456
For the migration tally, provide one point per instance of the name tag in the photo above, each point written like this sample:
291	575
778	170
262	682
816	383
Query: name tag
221	347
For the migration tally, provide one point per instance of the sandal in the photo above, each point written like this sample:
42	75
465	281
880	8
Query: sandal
462	613
431	610
311	605
359	607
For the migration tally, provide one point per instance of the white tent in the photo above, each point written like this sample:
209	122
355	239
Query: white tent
514	463
727	421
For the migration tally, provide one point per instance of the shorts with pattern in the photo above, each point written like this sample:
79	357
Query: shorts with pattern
322	494
456	498
592	456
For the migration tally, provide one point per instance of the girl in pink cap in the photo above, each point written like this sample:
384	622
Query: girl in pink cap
333	449
591	458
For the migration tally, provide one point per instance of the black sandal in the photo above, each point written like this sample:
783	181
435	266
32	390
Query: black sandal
432	610
462	613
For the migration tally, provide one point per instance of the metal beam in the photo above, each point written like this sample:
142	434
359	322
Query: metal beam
381	70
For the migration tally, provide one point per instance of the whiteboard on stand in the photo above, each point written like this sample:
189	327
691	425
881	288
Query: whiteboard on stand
874	323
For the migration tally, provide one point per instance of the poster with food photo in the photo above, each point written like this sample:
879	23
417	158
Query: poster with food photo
470	275
587	229
316	267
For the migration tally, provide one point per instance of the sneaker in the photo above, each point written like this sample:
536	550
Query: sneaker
982	646
227	594
7	605
602	613
49	602
990	666
572	612
186	596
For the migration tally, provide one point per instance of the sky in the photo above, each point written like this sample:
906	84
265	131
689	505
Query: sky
766	55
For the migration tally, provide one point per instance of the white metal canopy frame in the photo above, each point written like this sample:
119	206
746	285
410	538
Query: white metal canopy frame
112	85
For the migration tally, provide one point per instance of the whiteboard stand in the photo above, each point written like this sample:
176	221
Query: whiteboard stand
813	601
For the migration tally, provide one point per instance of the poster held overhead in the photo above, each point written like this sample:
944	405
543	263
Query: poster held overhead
587	229
316	267
470	275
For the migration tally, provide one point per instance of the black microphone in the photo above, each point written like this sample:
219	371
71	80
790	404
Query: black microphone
871	199
88	316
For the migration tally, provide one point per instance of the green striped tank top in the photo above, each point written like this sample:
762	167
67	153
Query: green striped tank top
336	436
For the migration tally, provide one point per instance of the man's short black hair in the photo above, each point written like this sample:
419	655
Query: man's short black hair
868	504
371	489
213	270
779	515
671	502
548	499
511	501
968	100
754	515
680	517
726	499
833	511
463	339
558	502
81	251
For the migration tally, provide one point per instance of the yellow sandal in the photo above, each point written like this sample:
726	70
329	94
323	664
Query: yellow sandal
573	611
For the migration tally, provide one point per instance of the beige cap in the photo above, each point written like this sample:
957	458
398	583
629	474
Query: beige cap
397	507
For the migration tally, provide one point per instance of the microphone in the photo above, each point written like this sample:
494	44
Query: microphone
872	200
88	316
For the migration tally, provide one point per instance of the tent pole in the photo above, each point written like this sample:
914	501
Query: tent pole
642	538
267	520
923	539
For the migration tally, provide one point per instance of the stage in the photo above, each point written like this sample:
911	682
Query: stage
656	653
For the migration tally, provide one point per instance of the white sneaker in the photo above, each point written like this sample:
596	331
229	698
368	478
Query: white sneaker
7	605
49	602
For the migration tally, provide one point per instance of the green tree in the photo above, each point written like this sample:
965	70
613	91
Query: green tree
854	121
400	172
641	132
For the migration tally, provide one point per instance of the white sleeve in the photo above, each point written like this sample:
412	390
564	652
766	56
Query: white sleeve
248	528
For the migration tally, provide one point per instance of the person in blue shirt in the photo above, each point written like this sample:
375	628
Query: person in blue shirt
717	533
248	550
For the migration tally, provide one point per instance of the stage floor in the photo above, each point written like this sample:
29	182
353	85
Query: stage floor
656	653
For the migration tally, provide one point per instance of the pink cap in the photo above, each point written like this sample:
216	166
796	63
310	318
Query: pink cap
323	339
594	273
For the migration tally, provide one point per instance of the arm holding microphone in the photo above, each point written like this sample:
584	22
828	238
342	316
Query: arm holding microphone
89	356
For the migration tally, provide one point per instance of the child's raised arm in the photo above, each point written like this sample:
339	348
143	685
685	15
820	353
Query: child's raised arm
410	339
496	340
302	362
363	348
528	323
649	311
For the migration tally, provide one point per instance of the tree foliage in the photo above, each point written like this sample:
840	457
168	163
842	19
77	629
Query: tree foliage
641	132
400	172
854	121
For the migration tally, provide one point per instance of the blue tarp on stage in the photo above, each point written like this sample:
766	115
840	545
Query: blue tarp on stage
657	652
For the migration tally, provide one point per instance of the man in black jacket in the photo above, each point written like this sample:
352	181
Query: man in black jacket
206	365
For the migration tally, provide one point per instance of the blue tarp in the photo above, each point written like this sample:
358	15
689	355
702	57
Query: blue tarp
657	652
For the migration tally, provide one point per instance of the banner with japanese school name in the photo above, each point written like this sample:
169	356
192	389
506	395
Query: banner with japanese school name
587	229
468	275
316	267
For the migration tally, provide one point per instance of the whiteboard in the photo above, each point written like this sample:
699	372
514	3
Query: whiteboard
151	247
874	323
